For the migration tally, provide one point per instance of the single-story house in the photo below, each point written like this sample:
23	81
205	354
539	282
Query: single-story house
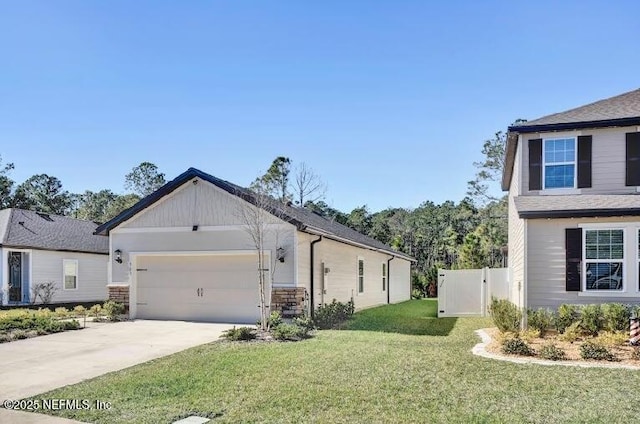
39	248
185	252
574	205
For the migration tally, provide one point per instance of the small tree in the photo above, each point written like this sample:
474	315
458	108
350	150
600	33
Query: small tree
260	217
45	291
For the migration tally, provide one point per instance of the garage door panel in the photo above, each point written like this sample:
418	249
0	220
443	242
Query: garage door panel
203	288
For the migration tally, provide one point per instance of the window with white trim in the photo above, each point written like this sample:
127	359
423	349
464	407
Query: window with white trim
70	274
604	257
559	156
384	276
360	275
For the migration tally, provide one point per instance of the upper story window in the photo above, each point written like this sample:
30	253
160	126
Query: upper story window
559	163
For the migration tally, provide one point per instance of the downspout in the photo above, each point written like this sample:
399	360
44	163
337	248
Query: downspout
389	279
312	245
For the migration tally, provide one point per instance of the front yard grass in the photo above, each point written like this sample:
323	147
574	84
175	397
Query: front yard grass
392	364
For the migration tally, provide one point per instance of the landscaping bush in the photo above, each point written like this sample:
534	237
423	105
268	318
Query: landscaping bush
291	332
274	320
61	312
113	310
591	319
572	333
19	334
616	317
4	338
591	350
540	319
516	346
529	334
611	338
96	310
416	294
71	325
552	352
239	334
565	317
331	314
304	322
80	311
506	316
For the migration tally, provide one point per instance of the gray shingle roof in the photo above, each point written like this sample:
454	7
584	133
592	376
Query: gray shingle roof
29	229
304	219
578	205
622	106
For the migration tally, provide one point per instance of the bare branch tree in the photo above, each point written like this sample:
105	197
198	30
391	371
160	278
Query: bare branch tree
260	217
307	185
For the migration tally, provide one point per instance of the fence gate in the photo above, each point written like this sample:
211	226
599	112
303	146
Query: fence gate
467	292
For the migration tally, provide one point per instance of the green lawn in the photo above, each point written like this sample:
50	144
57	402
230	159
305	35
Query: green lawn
416	368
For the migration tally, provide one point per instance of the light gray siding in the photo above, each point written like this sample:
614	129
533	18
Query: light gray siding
516	233
92	274
341	283
546	263
166	227
608	159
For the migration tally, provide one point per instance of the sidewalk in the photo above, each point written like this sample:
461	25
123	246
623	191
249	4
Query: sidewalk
21	417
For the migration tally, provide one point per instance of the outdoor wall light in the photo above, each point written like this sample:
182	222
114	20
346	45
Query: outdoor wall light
118	255
280	254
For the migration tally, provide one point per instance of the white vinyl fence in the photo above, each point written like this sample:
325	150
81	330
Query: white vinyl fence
467	292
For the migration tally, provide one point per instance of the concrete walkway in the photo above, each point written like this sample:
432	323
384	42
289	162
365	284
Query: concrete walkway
34	366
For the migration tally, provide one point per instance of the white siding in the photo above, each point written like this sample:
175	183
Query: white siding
92	274
608	159
516	230
215	209
341	283
546	263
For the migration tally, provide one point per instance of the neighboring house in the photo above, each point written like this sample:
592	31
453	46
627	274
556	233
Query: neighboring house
184	253
38	248
574	205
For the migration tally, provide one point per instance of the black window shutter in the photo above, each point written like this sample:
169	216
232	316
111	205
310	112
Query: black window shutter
584	161
535	164
633	159
573	250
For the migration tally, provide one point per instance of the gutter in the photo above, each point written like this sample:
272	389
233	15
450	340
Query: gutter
311	246
389	279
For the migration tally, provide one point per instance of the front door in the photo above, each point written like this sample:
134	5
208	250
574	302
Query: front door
15	277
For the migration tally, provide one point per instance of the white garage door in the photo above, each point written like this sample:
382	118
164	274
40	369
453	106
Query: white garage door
200	288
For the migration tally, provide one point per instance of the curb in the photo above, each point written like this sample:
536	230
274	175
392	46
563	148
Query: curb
481	350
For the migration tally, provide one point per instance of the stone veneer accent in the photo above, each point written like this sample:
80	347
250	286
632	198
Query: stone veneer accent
289	301
120	294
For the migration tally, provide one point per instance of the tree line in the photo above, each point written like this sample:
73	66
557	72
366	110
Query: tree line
471	233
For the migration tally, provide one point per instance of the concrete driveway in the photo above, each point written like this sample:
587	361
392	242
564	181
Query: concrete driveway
37	365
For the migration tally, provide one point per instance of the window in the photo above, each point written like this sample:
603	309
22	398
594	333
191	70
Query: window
70	267
604	255
360	275
384	276
559	163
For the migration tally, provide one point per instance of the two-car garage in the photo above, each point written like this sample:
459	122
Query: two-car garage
203	287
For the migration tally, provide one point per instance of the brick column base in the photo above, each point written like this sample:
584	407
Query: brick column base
289	301
120	294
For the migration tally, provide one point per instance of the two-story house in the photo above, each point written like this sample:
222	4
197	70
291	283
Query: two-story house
574	205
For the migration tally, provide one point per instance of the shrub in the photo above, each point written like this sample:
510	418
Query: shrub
616	317
552	352
112	310
71	325
529	334
591	319
416	294
19	334
516	346
289	332
80	311
4	338
331	314
61	312
95	310
571	333
539	319
239	334
506	316
44	291
274	320
610	338
591	350
304	322
566	315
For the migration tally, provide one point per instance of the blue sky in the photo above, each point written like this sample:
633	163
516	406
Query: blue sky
389	101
